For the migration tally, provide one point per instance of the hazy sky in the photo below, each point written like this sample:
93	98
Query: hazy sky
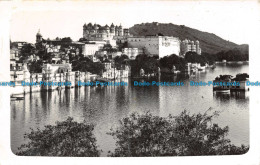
229	20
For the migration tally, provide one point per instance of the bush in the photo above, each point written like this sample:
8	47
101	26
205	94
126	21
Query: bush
182	135
67	138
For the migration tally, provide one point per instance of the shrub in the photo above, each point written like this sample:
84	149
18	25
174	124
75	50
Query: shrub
182	135
67	138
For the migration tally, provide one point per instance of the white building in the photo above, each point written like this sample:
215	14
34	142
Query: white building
156	45
190	46
92	47
132	52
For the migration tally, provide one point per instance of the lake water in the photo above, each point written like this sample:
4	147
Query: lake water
105	106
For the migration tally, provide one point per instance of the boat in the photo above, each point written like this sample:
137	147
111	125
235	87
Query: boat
13	99
17	97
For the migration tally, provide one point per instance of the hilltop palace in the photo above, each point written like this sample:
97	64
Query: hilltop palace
152	45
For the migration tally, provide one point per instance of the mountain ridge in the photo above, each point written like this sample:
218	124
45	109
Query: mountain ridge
209	42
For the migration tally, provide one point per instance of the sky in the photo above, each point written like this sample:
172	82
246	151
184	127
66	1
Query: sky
231	20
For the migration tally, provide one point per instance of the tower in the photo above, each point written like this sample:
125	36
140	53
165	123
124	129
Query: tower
120	31
84	30
107	29
197	43
38	37
116	30
112	29
126	32
95	28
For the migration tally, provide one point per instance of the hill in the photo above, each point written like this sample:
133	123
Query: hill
209	42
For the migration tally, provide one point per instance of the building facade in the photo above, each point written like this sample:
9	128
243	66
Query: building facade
155	45
104	33
190	46
90	49
132	52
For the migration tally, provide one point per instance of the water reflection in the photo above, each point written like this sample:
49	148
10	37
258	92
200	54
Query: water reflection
238	95
104	106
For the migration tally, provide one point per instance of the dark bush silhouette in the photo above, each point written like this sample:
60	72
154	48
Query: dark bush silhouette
67	138
182	135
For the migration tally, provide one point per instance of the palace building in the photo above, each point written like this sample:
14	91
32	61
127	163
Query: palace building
106	33
155	45
190	46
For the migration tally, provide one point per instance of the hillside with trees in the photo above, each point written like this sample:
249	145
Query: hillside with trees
209	42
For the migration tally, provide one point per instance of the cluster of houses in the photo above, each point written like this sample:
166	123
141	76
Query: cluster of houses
100	44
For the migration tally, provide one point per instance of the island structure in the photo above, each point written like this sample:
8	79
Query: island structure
227	83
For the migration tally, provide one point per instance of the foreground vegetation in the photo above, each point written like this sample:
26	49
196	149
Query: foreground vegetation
67	138
136	135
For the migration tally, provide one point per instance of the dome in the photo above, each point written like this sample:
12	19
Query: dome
120	27
197	42
39	34
107	27
95	26
112	25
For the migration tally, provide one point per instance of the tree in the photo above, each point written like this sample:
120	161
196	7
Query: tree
169	61
143	61
109	48
67	138
193	57
232	55
67	39
120	60
27	50
182	135
48	56
35	67
211	58
84	64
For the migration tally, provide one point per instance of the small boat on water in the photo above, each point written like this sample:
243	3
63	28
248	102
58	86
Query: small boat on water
17	97
13	99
